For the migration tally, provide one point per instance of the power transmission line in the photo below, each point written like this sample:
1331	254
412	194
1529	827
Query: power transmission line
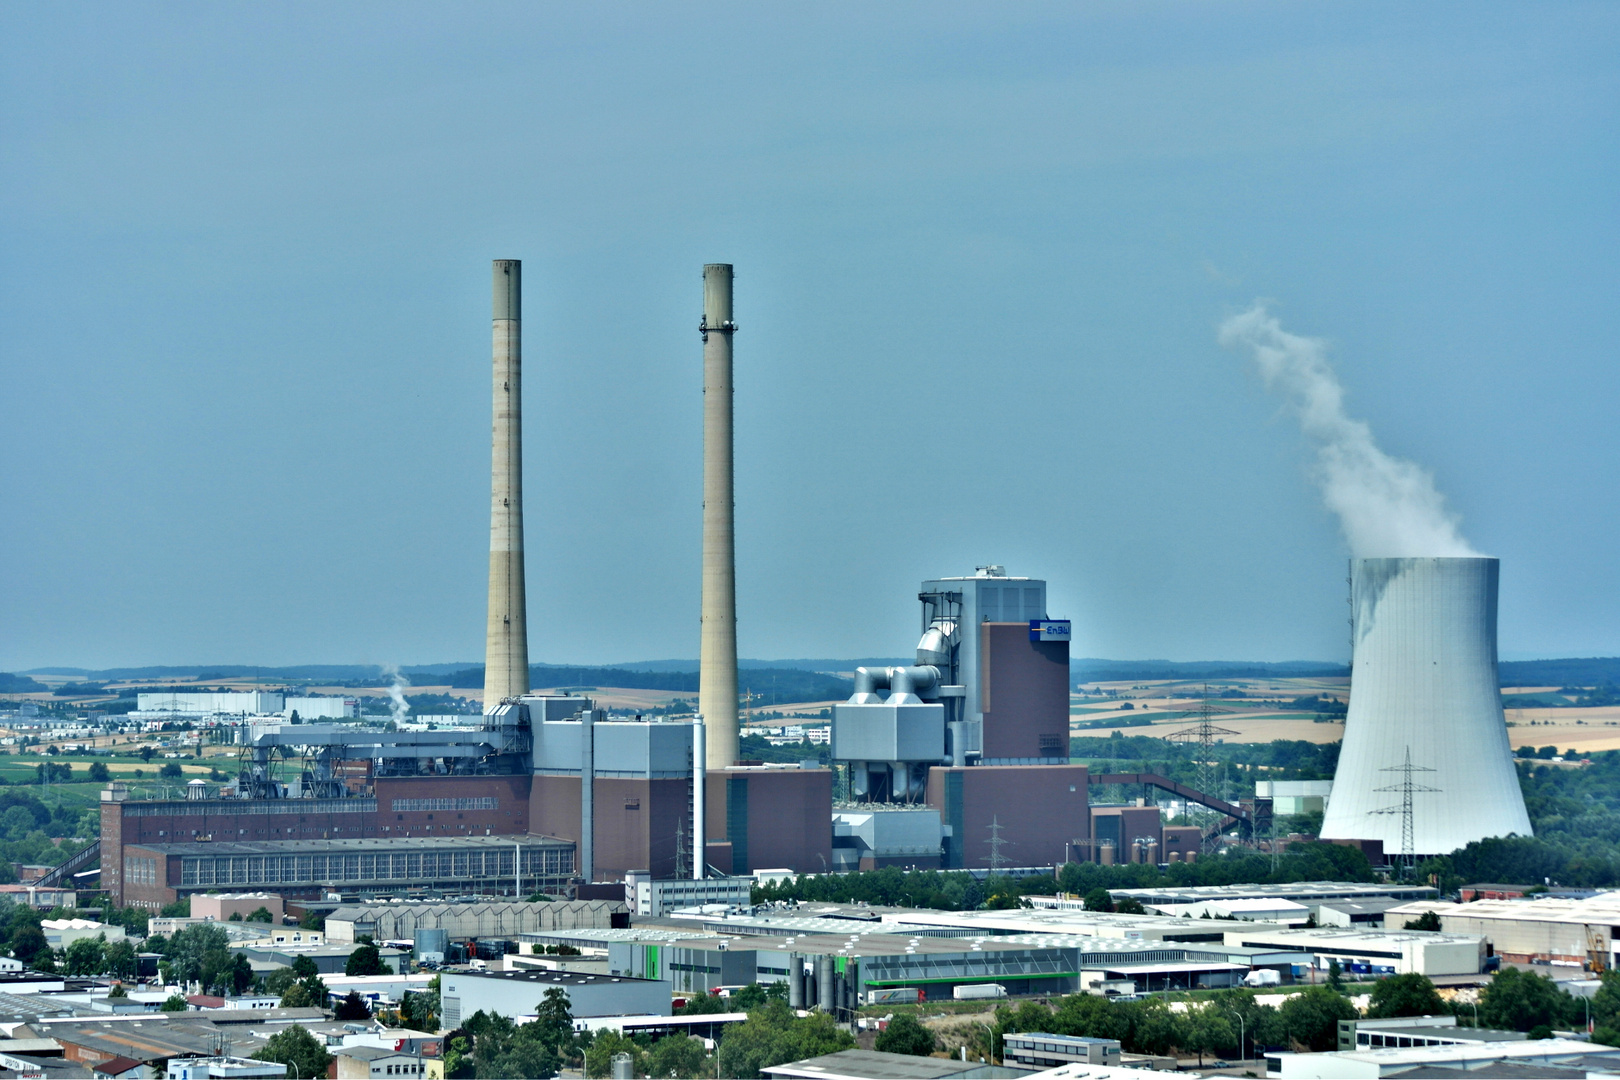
1407	788
1204	734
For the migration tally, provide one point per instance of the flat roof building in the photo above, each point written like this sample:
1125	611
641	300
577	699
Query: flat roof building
1374	952
518	993
312	866
1464	1057
1525	930
1298	891
400	920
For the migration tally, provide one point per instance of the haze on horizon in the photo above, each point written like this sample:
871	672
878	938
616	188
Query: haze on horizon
983	255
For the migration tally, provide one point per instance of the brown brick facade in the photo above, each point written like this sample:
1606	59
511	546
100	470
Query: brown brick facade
1037	809
1024	693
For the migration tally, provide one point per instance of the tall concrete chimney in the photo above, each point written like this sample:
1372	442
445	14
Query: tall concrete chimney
506	647
717	658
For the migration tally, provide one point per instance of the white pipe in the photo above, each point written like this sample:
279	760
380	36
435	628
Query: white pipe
700	775
587	790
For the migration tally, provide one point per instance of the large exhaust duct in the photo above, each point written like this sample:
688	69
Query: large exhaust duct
506	643
1424	683
717	661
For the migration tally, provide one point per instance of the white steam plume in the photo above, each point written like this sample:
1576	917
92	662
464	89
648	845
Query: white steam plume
396	693
1387	507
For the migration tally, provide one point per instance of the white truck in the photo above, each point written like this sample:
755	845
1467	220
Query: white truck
979	992
1262	977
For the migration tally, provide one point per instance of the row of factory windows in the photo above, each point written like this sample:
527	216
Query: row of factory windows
385	866
412	806
253	807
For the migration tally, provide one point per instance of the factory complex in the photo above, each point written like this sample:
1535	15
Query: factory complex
646	837
959	760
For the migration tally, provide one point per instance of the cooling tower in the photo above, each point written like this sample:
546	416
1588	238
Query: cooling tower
1423	680
506	643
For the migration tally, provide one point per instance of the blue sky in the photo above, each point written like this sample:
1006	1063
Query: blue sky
982	251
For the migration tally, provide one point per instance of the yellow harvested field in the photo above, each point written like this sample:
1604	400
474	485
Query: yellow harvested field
1585	731
1249	727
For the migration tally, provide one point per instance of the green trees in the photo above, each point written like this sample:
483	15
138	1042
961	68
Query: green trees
1429	920
1311	1019
773	1035
1520	1000
86	956
120	960
27	942
1404	995
1099	899
261	914
1307	1020
308	991
365	960
676	1056
352	1007
298	1050
99	773
171	771
905	1035
201	952
500	1048
607	1045
175	1003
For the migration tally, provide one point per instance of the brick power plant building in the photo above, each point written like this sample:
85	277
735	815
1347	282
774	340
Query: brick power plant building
959	760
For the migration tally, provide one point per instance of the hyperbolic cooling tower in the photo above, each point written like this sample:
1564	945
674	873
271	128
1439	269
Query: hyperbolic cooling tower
1423	680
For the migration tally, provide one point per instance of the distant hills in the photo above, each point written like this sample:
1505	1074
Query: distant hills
785	681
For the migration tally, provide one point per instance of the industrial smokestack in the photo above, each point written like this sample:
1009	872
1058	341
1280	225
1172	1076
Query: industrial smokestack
1425	759
506	645
717	660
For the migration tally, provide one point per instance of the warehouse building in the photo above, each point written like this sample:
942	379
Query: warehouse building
1374	952
651	898
244	703
401	920
160	873
867	962
1302	892
1572	931
519	993
1460	1059
1100	924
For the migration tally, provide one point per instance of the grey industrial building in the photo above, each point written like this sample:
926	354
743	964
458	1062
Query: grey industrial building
518	993
401	920
849	966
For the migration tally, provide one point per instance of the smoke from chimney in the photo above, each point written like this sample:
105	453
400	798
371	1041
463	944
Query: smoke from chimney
1387	507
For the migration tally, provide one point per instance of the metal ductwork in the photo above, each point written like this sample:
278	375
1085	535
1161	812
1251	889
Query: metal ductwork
912	684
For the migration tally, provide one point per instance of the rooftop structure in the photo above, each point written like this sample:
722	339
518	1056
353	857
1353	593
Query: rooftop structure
299	867
517	993
878	1065
1299	891
1375	952
1580	931
1372	1064
399	920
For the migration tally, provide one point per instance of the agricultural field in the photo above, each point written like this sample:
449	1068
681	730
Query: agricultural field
1264	714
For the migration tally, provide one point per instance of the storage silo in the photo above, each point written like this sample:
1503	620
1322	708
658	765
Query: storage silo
1423	683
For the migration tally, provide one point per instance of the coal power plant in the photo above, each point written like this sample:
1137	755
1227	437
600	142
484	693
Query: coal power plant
956	760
